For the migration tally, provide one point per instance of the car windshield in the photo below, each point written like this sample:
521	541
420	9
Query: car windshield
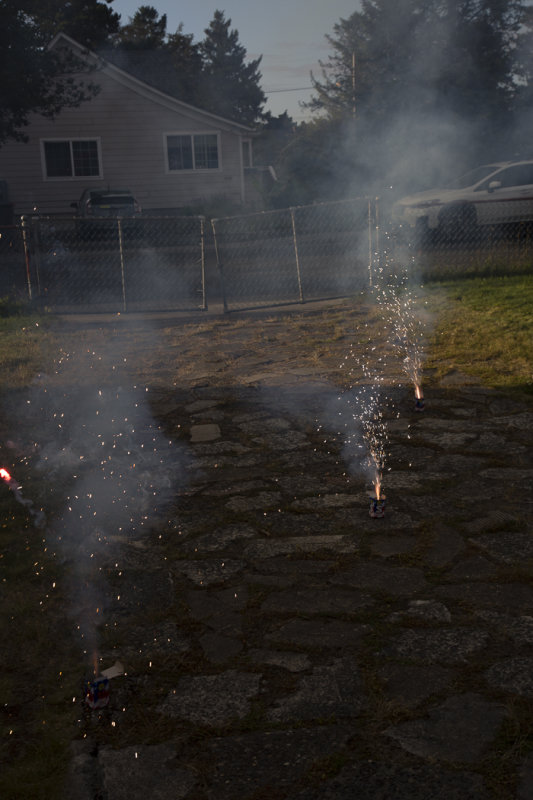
472	177
99	199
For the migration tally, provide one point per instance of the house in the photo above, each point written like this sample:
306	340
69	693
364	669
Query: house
169	154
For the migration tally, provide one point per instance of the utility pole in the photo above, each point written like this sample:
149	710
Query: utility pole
353	84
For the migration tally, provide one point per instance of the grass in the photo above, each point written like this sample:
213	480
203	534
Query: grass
26	348
485	329
482	327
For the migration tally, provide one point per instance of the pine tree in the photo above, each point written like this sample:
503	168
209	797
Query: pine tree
146	30
230	85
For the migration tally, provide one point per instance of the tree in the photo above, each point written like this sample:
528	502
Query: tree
170	62
523	106
422	79
275	134
89	22
186	64
314	165
230	86
33	79
212	74
146	30
423	54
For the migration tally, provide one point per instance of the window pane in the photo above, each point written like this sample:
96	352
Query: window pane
57	157
85	156
206	151
179	152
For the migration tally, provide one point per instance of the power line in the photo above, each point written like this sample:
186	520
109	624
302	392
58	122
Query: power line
277	91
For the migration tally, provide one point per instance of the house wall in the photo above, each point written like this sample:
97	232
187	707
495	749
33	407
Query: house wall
131	126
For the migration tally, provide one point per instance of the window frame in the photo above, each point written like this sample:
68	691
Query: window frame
194	170
73	176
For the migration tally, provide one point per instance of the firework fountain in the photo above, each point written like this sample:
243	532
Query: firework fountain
111	467
402	310
365	432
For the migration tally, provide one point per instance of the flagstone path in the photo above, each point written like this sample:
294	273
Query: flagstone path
280	643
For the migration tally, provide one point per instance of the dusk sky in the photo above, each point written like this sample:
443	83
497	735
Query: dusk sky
289	34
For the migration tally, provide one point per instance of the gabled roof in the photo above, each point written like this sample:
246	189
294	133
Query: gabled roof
140	87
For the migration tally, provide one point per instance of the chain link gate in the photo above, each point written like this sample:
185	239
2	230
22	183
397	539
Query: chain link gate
151	263
295	254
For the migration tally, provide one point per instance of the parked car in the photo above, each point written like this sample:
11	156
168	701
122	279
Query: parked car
492	194
96	203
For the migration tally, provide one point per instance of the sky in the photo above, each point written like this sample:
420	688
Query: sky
289	34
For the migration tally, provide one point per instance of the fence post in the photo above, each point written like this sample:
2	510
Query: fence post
219	266
295	241
202	258
370	240
375	242
122	271
28	239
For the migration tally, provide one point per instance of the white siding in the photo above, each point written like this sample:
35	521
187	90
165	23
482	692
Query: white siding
130	128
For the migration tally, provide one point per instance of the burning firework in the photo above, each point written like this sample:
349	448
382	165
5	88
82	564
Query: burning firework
419	398
4	474
377	500
365	433
39	518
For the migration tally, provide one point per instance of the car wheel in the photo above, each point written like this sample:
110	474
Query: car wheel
458	223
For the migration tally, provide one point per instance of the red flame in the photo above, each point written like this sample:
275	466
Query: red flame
5	474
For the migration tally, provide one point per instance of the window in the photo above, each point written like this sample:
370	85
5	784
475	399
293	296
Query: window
75	158
192	151
519	175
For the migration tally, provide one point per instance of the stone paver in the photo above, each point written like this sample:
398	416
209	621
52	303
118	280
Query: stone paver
212	700
302	650
445	646
458	730
332	690
514	675
144	771
374	779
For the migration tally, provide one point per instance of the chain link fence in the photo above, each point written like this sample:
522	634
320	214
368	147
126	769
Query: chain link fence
466	242
292	255
295	254
14	275
151	263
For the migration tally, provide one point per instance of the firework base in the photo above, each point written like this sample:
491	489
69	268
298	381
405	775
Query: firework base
377	507
97	693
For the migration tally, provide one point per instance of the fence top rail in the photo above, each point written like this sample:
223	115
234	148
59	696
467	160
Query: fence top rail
295	208
60	218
